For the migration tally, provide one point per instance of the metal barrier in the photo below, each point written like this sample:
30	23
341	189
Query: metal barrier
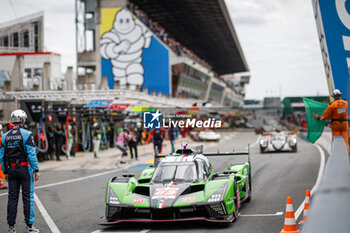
330	206
84	97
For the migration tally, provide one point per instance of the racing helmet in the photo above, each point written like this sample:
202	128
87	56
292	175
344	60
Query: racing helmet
336	93
18	116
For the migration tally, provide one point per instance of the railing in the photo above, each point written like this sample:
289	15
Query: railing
85	96
330	206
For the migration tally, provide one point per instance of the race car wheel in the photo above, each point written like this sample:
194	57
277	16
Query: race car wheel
249	185
295	148
235	213
262	149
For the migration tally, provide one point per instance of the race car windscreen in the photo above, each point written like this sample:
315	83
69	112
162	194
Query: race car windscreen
176	172
278	137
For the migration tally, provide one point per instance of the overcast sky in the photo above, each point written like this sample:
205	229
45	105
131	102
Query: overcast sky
278	37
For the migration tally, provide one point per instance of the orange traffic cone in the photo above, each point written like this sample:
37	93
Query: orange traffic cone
289	220
306	206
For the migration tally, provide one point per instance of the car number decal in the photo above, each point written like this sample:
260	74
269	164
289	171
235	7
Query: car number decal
137	200
188	199
165	193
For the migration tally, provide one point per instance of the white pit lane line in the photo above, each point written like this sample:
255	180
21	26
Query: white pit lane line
46	216
71	181
51	224
261	215
255	143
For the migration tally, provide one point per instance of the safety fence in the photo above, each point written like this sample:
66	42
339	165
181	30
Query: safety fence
326	140
330	207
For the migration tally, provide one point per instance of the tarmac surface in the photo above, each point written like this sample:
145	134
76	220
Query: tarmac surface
70	194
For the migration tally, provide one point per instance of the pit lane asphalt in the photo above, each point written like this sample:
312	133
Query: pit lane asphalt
77	206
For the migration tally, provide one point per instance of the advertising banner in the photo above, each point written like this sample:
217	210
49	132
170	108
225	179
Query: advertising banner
333	25
131	54
98	104
118	107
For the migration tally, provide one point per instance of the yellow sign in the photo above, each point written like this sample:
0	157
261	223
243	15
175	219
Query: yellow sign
107	19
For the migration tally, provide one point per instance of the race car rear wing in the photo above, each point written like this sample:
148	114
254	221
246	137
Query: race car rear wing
199	149
233	153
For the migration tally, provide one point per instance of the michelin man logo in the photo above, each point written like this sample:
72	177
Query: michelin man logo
123	46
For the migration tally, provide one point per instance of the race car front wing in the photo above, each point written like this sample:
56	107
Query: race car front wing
213	212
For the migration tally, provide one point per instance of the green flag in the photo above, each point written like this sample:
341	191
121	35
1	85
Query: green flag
314	127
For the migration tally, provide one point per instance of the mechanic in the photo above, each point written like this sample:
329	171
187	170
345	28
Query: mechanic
172	136
337	112
50	132
59	141
19	166
96	142
158	140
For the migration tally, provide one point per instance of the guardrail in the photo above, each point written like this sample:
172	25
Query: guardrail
330	206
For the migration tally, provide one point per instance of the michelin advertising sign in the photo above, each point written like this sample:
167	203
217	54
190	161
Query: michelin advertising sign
131	54
333	25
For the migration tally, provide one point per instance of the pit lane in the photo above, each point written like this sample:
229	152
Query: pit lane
76	206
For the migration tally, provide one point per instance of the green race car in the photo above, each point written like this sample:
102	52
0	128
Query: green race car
181	187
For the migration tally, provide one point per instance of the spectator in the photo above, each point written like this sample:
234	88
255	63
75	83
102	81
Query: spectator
121	145
161	33
132	143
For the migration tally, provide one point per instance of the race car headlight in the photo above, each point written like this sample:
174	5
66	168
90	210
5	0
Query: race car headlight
293	142
263	143
112	197
215	197
218	195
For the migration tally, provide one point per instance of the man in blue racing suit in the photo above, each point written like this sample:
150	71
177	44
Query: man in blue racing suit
20	165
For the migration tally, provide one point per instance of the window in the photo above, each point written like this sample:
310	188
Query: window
28	71
15	39
177	172
36	37
5	41
206	170
37	72
25	39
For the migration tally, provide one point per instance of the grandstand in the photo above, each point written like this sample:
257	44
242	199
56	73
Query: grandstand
182	48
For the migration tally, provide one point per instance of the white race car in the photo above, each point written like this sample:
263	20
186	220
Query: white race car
278	141
209	135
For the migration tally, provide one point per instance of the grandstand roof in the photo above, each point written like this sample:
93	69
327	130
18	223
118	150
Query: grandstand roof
203	26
